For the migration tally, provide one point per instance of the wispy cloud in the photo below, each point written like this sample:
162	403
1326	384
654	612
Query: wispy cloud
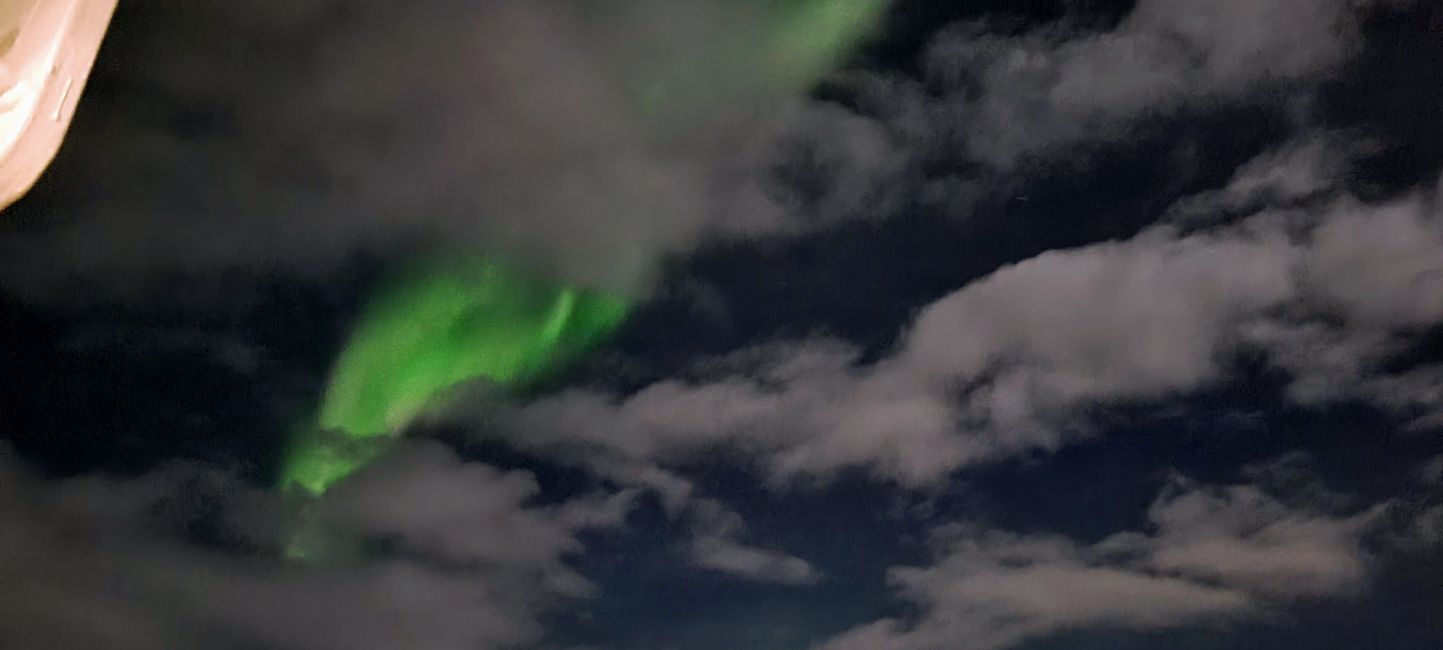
1210	555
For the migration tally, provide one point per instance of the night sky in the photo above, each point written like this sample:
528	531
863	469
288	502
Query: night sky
1021	324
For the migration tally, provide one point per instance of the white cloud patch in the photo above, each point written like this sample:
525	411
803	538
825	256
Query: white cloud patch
1013	363
716	546
1308	168
1382	268
1209	556
1373	280
1017	98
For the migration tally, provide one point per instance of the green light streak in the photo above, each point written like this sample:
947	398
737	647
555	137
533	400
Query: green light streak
430	331
456	322
781	48
434	330
319	458
815	35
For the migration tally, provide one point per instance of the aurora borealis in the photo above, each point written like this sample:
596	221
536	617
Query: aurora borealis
732	324
430	330
444	324
772	49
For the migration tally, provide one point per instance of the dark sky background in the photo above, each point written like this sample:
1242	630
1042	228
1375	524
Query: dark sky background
1064	325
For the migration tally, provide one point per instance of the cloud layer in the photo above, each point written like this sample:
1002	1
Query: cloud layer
1014	362
280	138
1210	555
589	143
187	558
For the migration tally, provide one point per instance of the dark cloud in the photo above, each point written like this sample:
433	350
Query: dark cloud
188	558
290	136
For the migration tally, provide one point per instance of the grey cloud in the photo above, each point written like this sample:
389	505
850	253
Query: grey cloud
974	599
1022	97
1432	471
1307	168
1139	319
1382	268
1012	362
785	421
751	563
1211	556
514	128
470	514
1242	537
991	370
609	447
598	511
820	166
327	127
1430	526
716	546
1371	281
1420	518
108	563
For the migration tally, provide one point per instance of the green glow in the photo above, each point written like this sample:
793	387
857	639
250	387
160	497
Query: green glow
320	458
433	331
455	322
430	331
815	34
780	48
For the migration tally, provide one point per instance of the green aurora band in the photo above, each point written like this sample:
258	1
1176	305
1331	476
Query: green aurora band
429	331
778	49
